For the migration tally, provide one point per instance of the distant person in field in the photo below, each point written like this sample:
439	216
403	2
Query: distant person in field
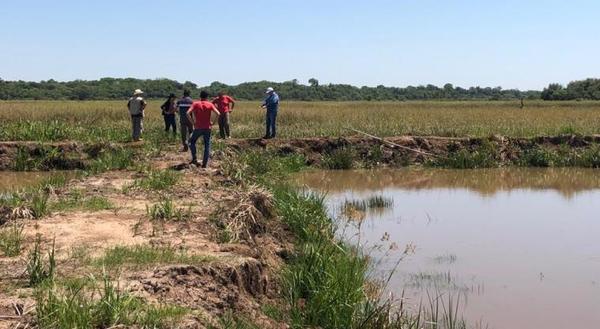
201	113
271	103
168	112
185	124
225	105
136	106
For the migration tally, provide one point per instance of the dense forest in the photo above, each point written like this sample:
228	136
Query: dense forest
111	88
583	89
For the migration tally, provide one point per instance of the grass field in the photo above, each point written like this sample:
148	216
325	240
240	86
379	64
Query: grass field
108	120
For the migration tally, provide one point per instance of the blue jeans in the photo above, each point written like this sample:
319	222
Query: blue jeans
170	122
271	124
205	133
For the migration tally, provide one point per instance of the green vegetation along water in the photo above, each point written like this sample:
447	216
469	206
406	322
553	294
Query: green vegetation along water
517	248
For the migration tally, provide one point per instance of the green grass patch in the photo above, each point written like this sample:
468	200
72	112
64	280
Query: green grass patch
114	159
158	180
43	157
167	211
263	167
144	255
39	268
39	204
11	239
231	321
484	155
76	200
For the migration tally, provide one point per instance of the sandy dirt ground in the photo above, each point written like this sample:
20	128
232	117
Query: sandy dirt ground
237	276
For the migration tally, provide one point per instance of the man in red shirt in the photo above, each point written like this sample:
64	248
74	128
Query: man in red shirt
225	105
200	113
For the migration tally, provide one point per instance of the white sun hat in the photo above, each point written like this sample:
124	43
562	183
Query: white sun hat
138	92
269	90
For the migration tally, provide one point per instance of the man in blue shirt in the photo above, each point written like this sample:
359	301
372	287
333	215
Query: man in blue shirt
271	103
184	105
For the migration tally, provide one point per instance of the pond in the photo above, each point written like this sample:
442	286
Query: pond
518	248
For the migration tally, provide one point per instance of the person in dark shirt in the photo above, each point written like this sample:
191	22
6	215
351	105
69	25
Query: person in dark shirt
168	111
184	104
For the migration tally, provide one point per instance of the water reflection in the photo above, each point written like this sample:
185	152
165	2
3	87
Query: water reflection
519	246
486	182
11	181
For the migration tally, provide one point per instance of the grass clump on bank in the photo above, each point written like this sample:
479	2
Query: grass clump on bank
562	156
324	285
339	159
484	155
82	304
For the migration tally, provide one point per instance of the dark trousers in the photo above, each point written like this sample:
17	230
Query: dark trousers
224	125
137	126
205	134
271	124
186	128
170	122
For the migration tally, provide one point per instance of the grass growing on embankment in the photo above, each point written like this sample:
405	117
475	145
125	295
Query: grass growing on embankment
326	283
98	303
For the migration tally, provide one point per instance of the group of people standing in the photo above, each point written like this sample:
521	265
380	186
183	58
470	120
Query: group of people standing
196	118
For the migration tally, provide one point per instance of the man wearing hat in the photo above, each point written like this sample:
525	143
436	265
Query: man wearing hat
271	103
136	106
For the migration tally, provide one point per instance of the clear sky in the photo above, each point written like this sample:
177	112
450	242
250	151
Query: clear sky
513	44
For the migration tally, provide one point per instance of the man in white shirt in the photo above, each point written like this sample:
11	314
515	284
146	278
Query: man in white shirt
136	106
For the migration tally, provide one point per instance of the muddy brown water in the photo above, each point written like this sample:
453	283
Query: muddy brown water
519	247
12	181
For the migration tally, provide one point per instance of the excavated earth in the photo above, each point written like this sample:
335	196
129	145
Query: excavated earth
71	155
237	276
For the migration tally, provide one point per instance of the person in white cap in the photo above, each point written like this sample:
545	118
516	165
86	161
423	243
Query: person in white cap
271	103
136	106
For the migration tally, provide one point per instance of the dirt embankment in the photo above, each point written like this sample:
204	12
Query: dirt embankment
72	155
232	230
409	150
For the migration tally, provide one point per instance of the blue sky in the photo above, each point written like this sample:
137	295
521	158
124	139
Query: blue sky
513	44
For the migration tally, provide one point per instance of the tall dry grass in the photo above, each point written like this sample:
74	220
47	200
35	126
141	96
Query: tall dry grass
109	121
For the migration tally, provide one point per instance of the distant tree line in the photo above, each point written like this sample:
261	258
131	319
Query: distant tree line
105	88
582	89
112	88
